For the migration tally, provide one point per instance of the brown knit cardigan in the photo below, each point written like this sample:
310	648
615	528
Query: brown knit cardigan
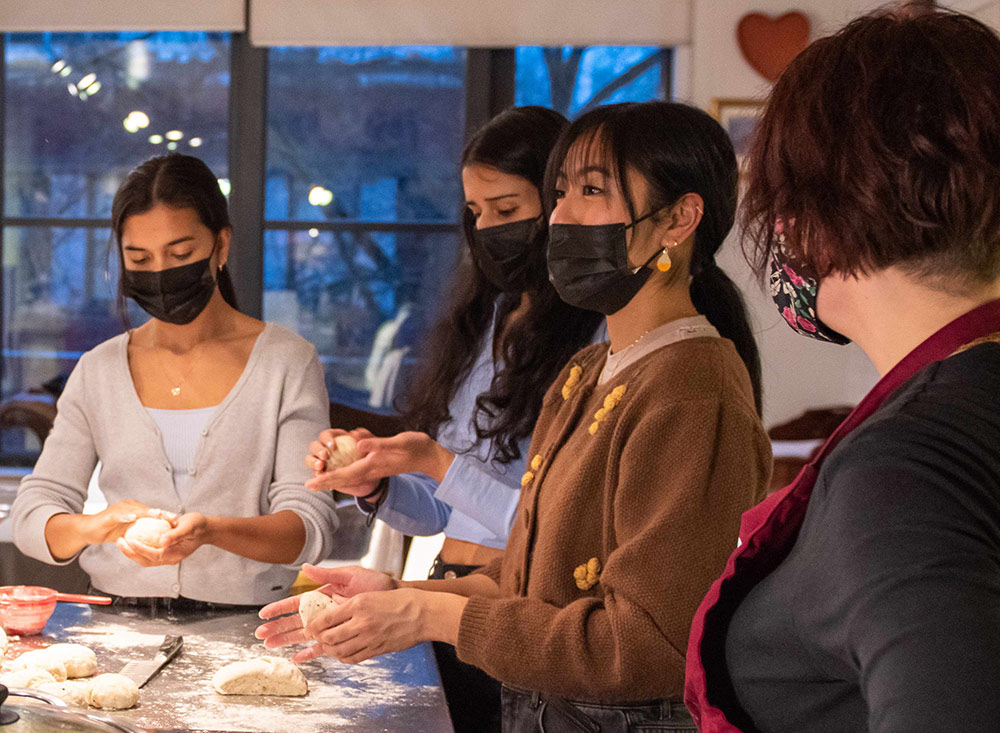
628	512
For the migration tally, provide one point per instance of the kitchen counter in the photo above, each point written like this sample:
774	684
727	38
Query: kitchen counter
395	692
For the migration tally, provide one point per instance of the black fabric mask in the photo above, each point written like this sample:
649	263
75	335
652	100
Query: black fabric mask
588	265
175	295
503	253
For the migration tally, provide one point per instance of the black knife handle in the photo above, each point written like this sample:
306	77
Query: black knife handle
171	645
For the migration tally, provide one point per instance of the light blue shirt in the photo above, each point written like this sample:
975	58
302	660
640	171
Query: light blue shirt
477	499
478	496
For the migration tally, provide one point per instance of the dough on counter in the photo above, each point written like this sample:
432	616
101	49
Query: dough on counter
148	530
312	604
261	676
25	677
3	642
42	659
79	660
344	452
70	691
112	692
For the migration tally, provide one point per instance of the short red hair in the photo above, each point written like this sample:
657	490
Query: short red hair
882	144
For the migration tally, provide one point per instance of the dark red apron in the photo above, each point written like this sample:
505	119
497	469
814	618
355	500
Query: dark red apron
768	530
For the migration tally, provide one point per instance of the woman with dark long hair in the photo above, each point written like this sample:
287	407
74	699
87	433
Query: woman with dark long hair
643	458
864	595
499	345
169	408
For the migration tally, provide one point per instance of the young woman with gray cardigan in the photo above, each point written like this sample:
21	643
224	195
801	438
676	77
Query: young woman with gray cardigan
198	416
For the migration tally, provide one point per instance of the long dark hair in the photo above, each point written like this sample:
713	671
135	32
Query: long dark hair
534	348
677	149
180	182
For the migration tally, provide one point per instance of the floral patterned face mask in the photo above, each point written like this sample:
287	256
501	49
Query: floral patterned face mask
794	289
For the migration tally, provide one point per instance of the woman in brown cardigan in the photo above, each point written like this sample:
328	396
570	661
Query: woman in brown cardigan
643	458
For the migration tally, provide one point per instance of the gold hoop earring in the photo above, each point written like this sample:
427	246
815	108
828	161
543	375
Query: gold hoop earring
664	264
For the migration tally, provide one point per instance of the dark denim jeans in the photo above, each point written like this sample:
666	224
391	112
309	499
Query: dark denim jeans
531	712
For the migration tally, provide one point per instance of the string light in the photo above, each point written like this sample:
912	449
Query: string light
156	139
319	196
195	142
174	135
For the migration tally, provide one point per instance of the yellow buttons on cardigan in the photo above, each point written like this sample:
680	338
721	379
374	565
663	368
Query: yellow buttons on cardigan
586	575
529	475
575	373
610	401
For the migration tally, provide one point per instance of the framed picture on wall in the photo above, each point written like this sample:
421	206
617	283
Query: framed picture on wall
739	118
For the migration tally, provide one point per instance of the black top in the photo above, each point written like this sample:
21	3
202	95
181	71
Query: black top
885	616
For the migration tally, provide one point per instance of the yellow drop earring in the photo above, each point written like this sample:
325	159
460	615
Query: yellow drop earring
664	264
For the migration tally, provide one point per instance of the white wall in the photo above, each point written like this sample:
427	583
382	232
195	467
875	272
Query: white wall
799	373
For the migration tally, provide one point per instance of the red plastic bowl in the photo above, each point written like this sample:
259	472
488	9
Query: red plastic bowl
25	609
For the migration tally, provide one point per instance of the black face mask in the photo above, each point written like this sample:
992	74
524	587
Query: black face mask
588	265
175	295
503	253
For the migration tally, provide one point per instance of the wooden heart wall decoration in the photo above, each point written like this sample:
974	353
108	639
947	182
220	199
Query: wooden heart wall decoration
769	44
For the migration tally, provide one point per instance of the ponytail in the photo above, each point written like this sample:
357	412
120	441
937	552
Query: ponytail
716	296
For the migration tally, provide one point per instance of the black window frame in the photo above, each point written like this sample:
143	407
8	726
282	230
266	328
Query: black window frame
489	87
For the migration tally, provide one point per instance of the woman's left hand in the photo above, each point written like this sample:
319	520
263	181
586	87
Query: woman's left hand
370	624
407	452
190	533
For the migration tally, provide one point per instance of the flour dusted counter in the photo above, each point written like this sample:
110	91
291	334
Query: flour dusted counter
396	692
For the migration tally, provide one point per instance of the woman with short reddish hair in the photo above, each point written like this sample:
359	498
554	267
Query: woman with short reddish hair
866	595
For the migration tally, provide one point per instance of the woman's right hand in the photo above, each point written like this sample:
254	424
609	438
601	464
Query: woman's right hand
319	454
110	524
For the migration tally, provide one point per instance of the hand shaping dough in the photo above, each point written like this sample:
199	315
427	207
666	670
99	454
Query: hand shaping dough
344	452
79	660
74	693
42	659
26	677
261	676
148	530
3	642
112	692
313	603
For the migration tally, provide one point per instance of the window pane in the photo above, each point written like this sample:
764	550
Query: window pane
52	314
71	135
363	298
374	133
573	80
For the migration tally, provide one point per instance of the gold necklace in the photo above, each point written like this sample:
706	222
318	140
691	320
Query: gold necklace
175	391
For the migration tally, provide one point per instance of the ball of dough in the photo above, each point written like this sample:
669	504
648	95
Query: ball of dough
42	659
3	642
74	693
313	603
26	677
261	676
148	530
79	660
112	692
344	452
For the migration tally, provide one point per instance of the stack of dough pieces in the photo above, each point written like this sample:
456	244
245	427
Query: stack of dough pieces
56	669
